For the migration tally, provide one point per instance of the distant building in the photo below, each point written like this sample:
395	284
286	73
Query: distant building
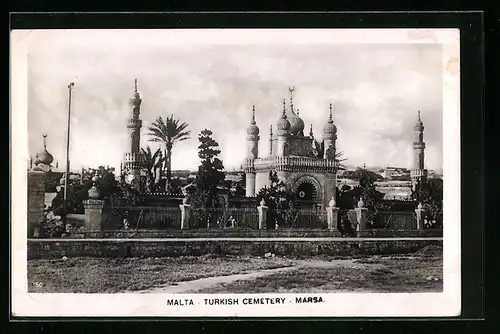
392	172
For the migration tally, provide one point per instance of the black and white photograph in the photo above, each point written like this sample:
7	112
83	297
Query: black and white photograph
227	172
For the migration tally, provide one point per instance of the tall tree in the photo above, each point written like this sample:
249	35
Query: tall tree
168	132
210	176
430	194
150	164
282	202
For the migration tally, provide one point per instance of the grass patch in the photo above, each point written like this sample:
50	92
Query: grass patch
113	275
387	275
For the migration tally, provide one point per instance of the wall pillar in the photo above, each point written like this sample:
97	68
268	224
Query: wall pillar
185	215
250	184
36	200
361	216
262	208
420	216
93	214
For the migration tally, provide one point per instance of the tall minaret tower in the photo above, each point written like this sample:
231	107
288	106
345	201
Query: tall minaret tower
330	137
132	158
418	172
282	133
252	154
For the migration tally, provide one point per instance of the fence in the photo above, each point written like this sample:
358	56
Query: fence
396	220
300	219
149	217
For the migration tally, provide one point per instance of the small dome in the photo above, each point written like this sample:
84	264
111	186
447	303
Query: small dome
419	126
283	124
253	129
330	129
44	157
135	100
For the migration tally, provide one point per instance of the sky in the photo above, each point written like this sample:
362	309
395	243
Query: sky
212	80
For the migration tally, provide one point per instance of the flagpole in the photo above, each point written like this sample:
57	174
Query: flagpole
66	179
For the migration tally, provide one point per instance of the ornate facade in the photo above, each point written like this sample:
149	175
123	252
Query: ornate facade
292	155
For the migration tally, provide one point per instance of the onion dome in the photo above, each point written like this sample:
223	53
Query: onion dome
44	157
419	126
253	129
330	129
283	125
135	100
296	123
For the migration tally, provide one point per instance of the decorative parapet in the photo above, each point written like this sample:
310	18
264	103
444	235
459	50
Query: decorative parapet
134	123
418	145
132	161
291	164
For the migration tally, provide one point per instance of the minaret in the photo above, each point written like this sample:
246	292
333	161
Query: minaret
270	140
418	172
330	137
282	133
253	138
131	162
252	154
135	124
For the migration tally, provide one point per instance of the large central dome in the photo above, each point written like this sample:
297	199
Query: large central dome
296	123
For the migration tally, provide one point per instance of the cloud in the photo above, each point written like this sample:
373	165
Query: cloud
376	90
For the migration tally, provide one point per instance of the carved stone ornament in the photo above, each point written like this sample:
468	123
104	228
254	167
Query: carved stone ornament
361	203
94	192
332	203
262	202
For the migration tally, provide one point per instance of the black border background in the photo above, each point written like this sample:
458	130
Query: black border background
472	141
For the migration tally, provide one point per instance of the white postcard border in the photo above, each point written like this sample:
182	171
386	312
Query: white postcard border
447	303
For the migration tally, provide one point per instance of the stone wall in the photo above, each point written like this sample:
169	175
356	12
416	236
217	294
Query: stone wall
43	248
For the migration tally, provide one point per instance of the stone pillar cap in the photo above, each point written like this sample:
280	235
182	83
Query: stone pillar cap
419	206
262	202
332	202
361	203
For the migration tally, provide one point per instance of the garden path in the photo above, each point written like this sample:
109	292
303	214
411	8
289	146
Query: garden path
208	282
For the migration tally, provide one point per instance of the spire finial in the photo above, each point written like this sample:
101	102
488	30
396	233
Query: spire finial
291	90
331	112
311	131
44	141
419	115
135	85
284	107
253	115
271	129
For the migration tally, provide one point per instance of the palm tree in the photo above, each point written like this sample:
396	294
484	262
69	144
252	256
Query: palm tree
319	150
168	132
150	164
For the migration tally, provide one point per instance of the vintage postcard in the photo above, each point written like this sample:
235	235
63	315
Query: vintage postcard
236	173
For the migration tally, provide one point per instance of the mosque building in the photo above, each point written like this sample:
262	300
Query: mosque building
311	175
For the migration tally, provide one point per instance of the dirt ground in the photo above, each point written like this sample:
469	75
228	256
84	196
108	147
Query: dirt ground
421	271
